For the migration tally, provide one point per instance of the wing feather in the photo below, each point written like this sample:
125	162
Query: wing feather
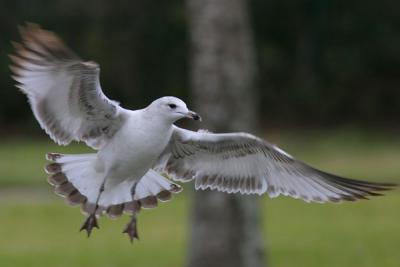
240	162
64	92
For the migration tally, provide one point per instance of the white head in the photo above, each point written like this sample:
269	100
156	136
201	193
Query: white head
172	108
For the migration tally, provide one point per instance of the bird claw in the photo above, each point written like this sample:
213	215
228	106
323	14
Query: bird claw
131	229
89	224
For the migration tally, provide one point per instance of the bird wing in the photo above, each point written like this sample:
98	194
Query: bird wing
64	92
241	162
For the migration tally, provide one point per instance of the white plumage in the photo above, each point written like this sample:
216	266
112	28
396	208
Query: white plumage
134	148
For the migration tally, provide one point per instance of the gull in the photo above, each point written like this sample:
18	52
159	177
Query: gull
139	153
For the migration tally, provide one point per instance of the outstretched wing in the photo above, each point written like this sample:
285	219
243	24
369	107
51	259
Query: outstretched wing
240	162
64	92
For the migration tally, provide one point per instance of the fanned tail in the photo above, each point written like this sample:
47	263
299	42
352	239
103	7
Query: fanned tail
75	178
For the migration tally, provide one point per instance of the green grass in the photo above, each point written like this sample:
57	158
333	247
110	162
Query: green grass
38	229
22	160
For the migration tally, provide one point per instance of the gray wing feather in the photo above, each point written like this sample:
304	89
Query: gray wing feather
243	163
64	91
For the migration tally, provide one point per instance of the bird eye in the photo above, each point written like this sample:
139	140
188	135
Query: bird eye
173	106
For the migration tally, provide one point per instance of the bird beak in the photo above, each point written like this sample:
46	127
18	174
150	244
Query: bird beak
193	115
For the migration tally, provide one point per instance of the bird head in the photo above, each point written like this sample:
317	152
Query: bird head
173	109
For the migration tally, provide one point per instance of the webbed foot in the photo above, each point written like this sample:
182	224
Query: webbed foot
89	224
131	229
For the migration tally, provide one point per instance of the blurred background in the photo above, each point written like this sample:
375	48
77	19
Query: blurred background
324	86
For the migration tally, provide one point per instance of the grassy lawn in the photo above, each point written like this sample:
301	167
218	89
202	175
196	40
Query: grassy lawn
38	229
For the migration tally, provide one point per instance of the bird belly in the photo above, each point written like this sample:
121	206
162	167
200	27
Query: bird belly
131	154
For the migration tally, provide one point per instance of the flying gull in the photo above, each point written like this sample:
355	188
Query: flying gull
139	152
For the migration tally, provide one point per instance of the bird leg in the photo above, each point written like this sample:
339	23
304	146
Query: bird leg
91	220
131	227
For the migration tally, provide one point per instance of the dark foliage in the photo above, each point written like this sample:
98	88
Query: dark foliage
321	62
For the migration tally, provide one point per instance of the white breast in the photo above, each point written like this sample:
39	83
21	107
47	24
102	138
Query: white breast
135	148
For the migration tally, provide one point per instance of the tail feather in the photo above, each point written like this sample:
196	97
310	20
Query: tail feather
132	207
75	178
64	189
164	195
87	208
57	179
152	186
74	172
115	211
75	198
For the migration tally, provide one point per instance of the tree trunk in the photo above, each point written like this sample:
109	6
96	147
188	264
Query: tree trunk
225	227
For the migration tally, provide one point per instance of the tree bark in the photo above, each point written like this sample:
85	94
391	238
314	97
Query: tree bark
225	227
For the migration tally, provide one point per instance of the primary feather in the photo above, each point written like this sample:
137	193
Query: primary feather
240	162
64	91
